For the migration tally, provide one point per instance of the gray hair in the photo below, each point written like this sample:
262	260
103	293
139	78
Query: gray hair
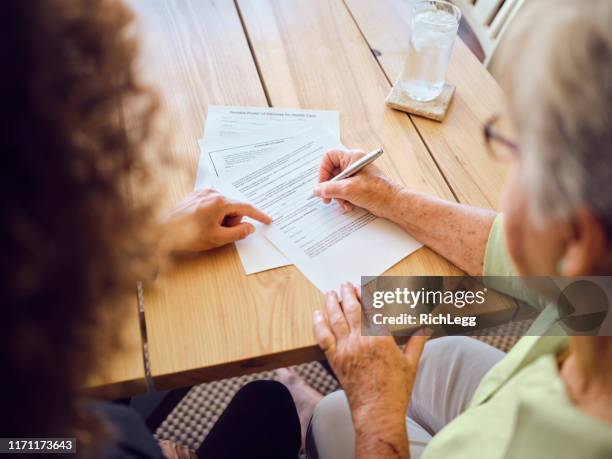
558	76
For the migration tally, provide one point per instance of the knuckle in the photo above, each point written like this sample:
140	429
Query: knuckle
345	187
322	333
351	303
217	200
331	300
330	351
337	319
206	195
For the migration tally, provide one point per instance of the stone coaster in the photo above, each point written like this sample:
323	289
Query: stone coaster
435	109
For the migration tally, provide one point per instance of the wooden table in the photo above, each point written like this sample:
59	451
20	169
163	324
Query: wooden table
205	319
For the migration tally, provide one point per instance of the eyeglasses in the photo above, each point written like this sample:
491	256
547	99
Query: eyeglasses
496	133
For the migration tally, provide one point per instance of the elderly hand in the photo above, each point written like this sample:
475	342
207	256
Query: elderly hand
375	374
369	189
206	219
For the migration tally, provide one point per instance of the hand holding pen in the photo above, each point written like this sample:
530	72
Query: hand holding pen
349	177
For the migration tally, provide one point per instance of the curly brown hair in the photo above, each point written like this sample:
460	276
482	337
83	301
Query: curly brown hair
72	241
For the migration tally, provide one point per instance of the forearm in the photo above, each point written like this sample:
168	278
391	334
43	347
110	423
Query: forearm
381	436
457	232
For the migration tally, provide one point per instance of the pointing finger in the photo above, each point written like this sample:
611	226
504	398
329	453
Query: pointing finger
248	210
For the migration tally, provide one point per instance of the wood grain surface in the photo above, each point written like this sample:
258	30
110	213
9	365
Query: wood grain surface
205	318
456	144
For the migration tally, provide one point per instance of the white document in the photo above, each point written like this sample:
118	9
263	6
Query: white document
220	155
225	121
259	129
328	245
235	136
226	155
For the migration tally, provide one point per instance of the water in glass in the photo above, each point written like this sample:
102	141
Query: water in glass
431	42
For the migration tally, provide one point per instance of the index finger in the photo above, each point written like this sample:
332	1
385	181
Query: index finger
351	306
247	210
336	317
333	162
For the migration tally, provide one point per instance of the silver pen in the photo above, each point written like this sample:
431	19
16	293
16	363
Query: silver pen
358	165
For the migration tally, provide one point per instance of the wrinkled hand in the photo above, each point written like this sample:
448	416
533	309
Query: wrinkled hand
375	374
206	219
173	450
369	189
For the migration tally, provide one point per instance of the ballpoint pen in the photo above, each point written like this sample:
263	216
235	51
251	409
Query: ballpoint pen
358	165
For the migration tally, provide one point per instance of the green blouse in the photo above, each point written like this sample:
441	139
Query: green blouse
521	408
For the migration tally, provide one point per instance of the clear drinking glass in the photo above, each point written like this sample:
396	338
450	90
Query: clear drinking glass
433	30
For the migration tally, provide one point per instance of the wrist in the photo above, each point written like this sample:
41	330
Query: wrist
379	416
391	194
381	434
175	234
398	203
168	242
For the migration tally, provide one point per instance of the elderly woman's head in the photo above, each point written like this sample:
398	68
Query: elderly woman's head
557	64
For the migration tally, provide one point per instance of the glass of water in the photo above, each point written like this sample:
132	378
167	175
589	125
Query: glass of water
433	31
